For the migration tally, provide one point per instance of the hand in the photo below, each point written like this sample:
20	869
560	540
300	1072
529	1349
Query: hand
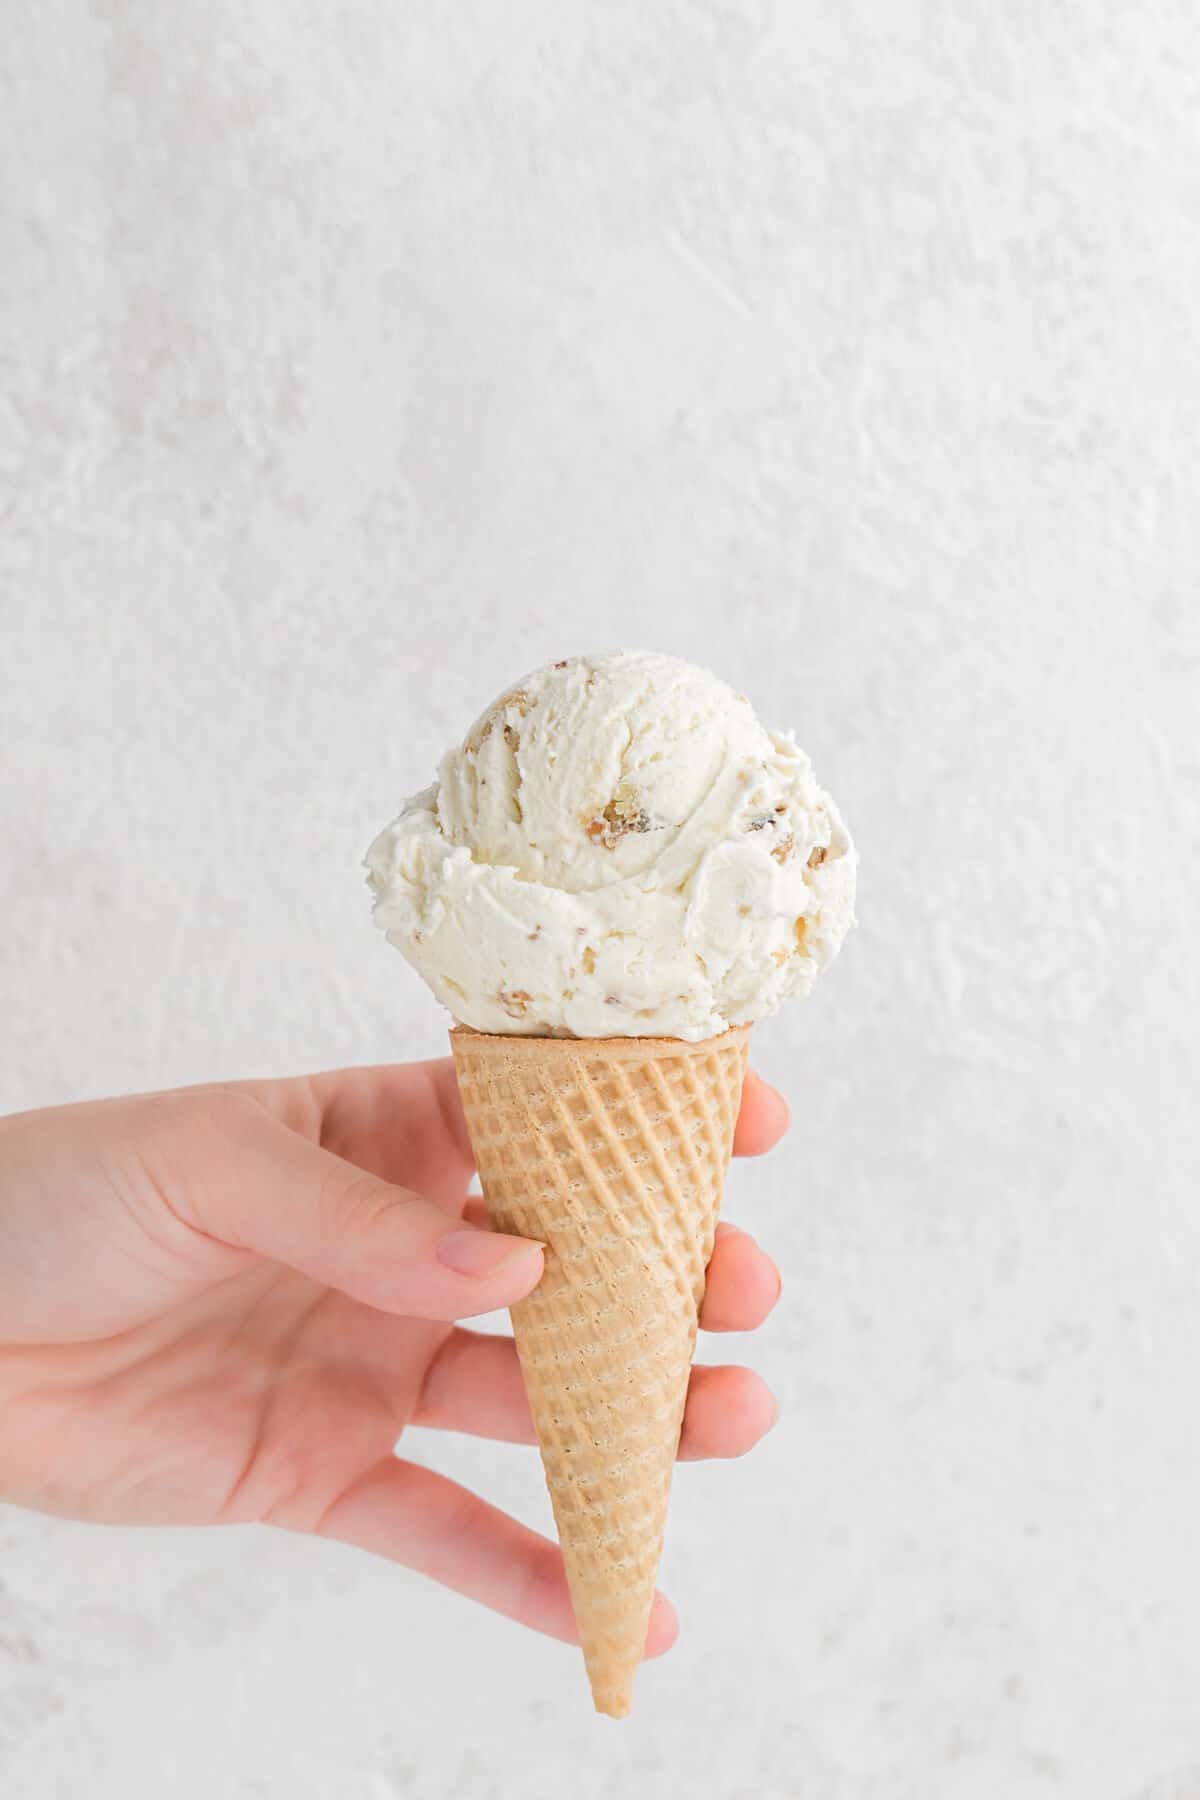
225	1304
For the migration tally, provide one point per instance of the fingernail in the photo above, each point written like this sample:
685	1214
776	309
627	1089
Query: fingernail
481	1252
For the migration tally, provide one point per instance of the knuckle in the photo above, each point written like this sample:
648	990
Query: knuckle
206	1115
357	1202
179	1143
298	1466
225	1112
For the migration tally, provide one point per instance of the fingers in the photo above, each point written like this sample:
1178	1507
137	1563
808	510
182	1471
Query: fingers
430	1524
763	1118
742	1284
248	1180
474	1385
377	1125
404	1122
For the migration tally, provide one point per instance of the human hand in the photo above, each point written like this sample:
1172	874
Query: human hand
224	1304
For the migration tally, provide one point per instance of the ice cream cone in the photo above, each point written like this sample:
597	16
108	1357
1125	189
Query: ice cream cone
612	1152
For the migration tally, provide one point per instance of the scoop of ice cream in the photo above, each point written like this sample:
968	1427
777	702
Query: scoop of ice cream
617	848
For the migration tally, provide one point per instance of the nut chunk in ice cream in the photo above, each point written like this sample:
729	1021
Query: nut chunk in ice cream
617	849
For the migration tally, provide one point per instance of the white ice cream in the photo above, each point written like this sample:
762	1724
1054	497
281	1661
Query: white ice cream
617	849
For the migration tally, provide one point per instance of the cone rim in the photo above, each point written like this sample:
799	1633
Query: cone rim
618	1047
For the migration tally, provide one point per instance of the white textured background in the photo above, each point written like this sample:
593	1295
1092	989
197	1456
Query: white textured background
356	357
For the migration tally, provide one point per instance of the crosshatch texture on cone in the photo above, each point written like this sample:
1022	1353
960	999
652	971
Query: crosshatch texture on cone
612	1151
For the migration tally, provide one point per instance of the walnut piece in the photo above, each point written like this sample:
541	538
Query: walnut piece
619	818
518	700
803	947
515	1002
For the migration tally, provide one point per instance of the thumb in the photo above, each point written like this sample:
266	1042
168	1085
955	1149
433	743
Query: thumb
275	1193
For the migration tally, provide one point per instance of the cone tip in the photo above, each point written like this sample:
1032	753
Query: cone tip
614	1702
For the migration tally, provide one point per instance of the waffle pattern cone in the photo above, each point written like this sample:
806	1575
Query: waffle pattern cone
613	1152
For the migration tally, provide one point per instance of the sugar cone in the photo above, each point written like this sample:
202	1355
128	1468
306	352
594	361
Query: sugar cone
613	1152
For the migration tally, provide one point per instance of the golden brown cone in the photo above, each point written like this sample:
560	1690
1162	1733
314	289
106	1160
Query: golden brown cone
612	1152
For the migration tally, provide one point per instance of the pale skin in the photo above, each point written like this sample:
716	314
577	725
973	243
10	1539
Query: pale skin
225	1304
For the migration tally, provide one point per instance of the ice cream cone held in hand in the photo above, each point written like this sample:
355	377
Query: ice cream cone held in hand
613	1152
617	872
